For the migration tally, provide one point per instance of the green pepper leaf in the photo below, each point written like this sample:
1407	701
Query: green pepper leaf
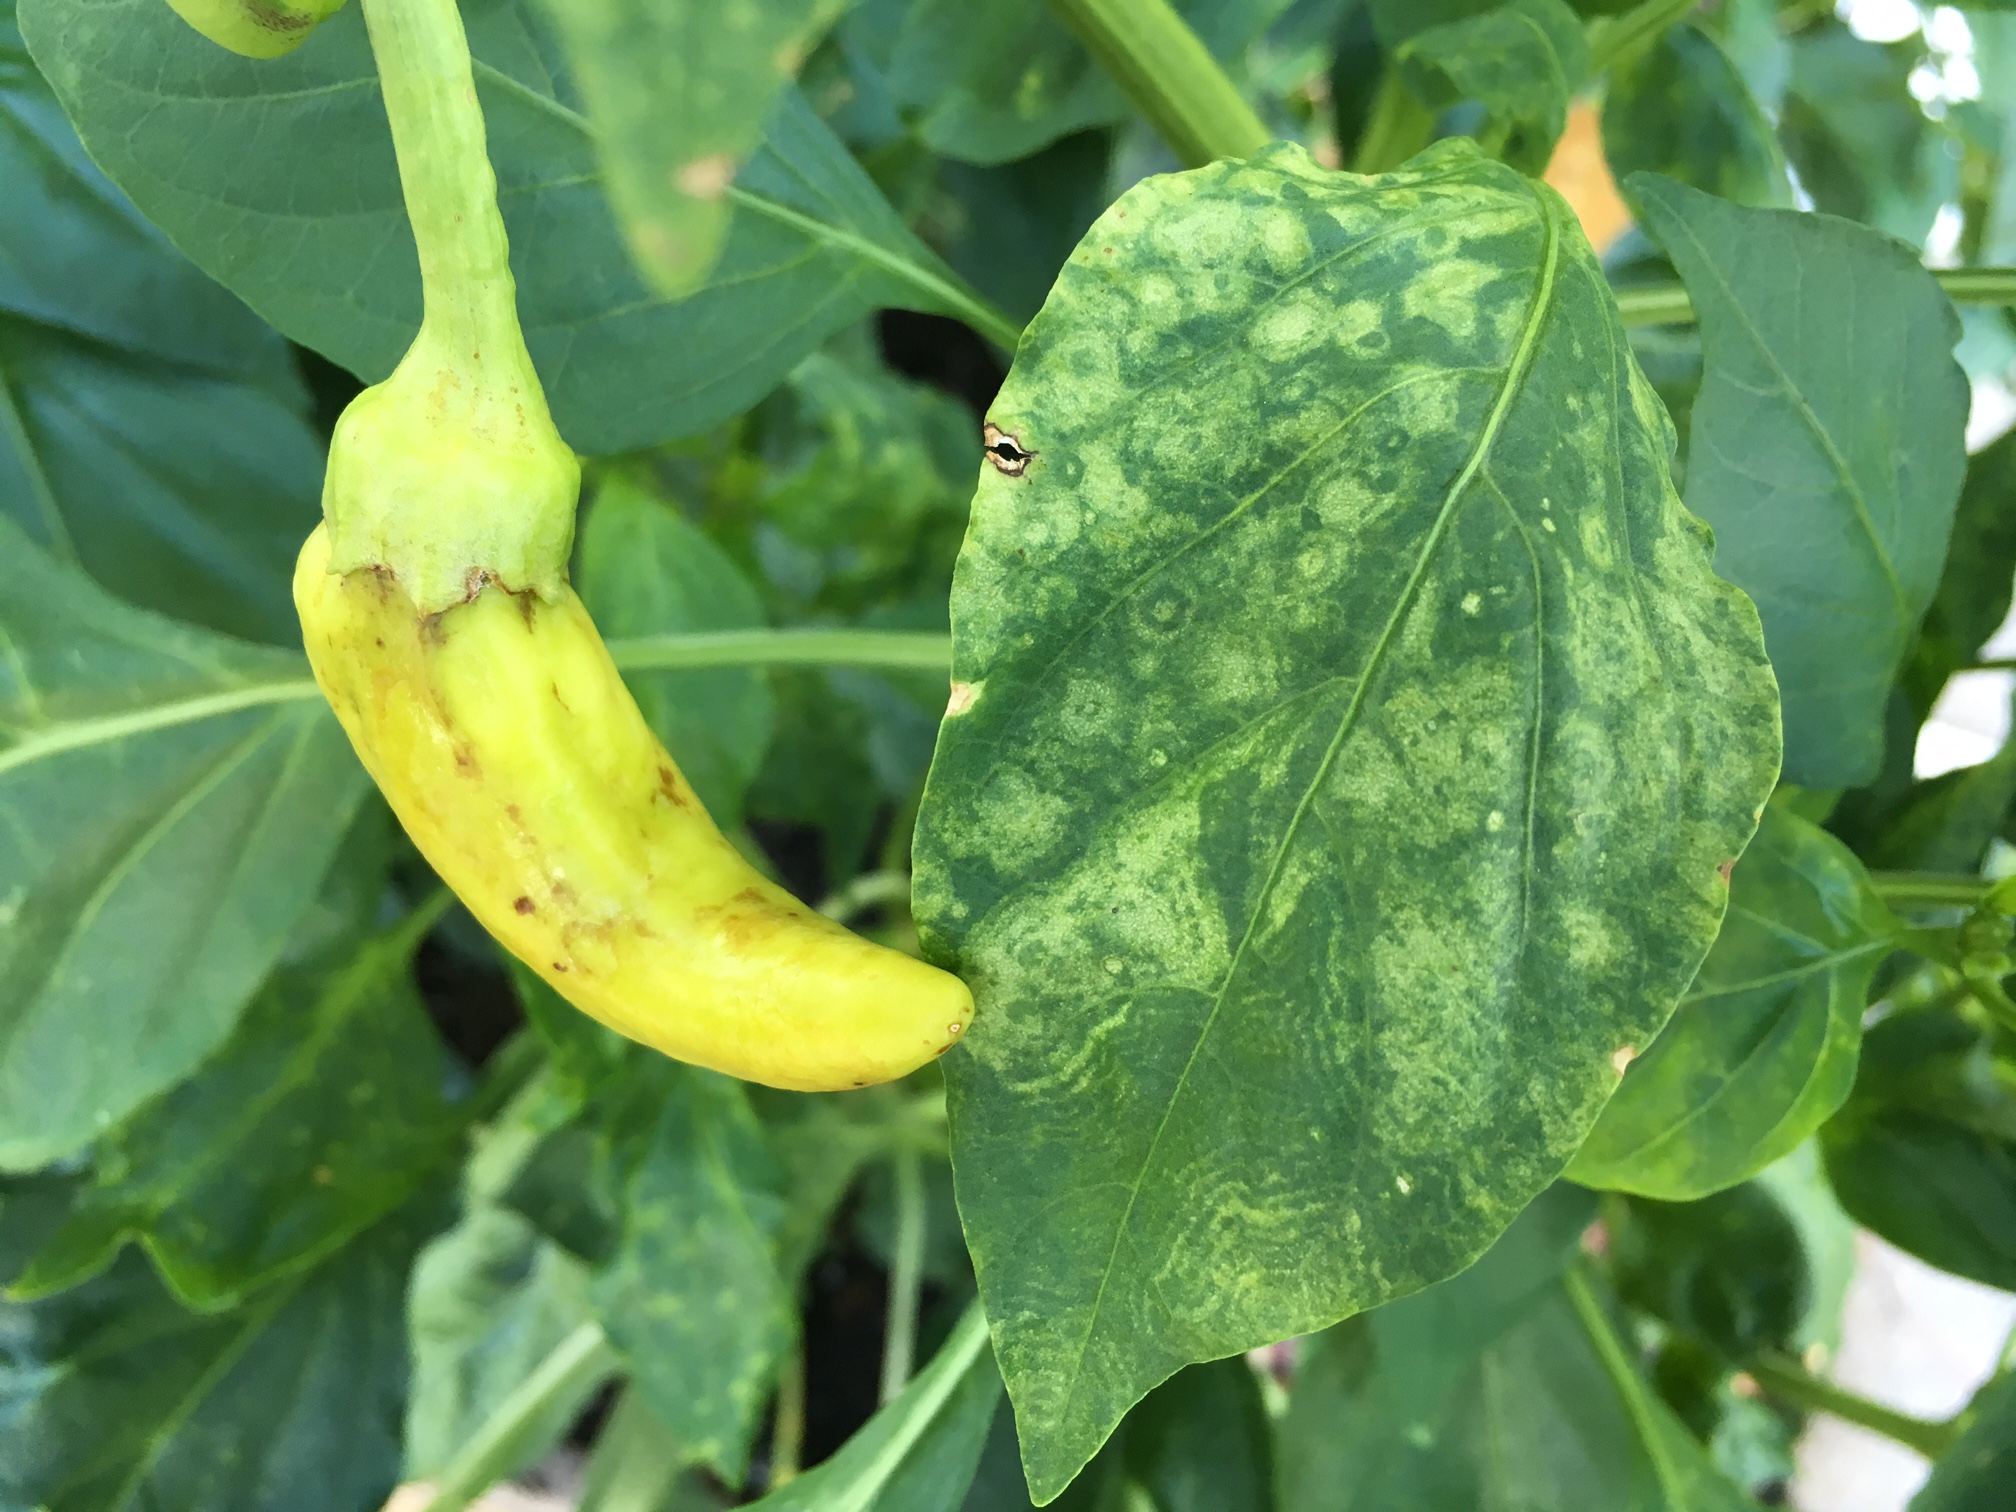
1728	1270
1679	107
1978	1474
677	94
322	1113
1521	61
693	1296
118	1397
1346	737
1826	450
1762	1049
172	799
918	1453
294	204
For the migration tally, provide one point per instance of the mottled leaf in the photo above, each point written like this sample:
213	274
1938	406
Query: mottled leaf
917	1454
1347	735
112	1396
692	1296
1826	450
645	569
1762	1049
1679	107
321	1114
1924	1152
171	798
677	93
1522	61
293	202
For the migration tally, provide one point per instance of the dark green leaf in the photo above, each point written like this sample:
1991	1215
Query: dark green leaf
115	1397
322	1113
1924	1152
1978	1474
677	95
1201	1442
1680	108
181	491
172	798
646	570
692	1296
294	203
1396	21
1826	450
1974	590
917	1454
1946	823
1728	1270
996	80
822	1141
1232	872
1522	61
586	1055
559	1189
1762	1049
1012	226
1861	143
1504	1400
76	255
491	1299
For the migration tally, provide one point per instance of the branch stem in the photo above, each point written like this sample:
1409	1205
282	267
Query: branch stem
1787	1380
894	650
1168	75
1668	304
1929	889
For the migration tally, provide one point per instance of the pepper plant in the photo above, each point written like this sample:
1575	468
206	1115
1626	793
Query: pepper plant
1427	804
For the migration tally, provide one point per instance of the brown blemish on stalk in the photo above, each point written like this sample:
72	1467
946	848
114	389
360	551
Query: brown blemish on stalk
524	905
668	786
1004	452
1723	869
559	966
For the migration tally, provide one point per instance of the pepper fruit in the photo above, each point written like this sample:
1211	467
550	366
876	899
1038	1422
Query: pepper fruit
256	28
470	679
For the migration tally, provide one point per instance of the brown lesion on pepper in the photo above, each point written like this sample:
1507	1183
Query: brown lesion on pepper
669	789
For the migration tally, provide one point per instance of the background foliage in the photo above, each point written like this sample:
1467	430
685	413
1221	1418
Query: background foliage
1352	736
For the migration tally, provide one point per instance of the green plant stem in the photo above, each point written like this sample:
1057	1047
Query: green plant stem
424	70
1784	1378
894	649
1929	889
1614	37
637	1461
1624	1376
906	1276
1668	304
1397	127
541	1405
1168	75
787	1433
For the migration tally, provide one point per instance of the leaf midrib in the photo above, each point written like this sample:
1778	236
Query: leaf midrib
1515	376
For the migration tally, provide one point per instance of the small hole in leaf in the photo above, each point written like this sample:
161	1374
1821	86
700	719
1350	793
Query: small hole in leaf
1005	453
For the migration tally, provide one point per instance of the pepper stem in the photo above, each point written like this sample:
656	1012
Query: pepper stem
450	474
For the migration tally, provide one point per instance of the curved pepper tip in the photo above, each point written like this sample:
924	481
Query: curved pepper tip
256	28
